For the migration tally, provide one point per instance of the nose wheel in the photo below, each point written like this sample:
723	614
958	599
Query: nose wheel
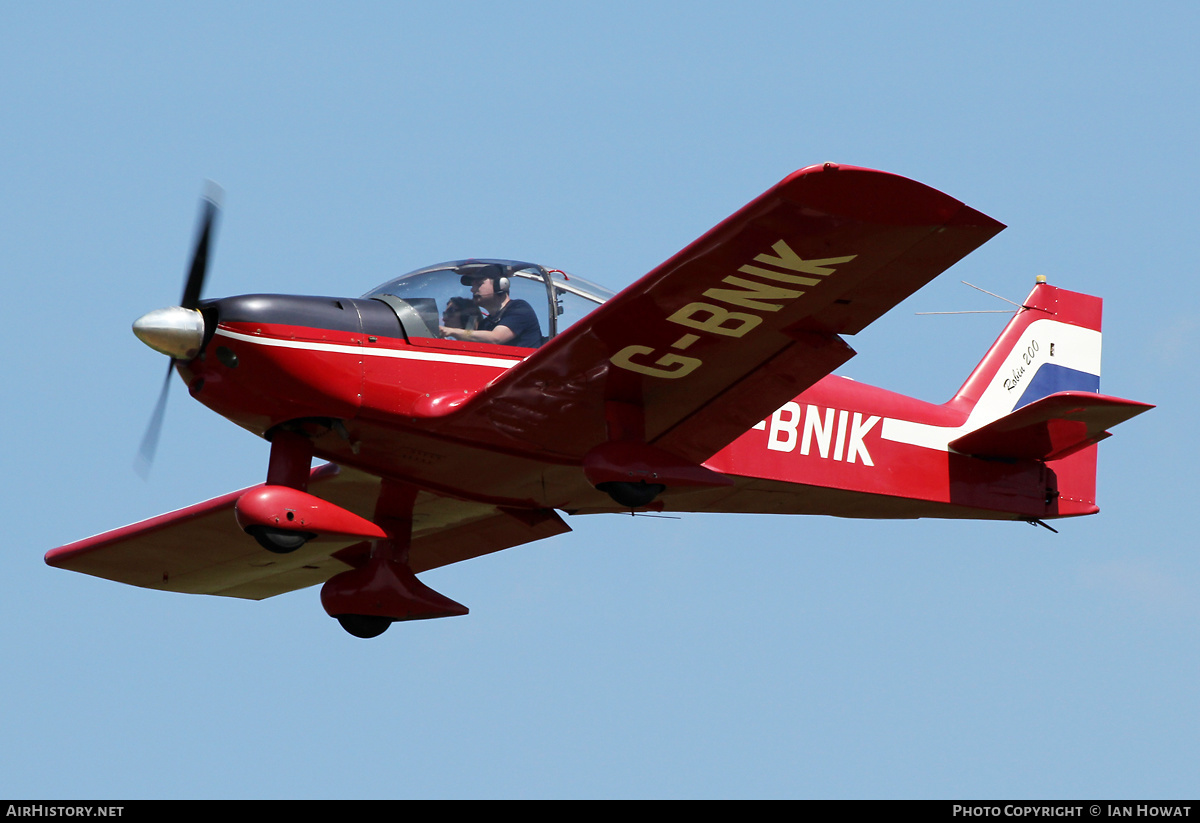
364	625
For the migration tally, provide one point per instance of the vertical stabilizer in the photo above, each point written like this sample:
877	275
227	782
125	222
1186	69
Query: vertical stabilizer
1051	345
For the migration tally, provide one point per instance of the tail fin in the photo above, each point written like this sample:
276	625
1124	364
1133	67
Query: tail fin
1035	395
1051	345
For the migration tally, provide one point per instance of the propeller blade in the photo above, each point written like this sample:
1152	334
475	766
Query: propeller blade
167	333
209	208
145	458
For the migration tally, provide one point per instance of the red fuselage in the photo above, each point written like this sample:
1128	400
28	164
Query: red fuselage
373	400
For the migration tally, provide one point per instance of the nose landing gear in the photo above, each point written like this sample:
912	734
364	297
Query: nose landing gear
383	589
368	599
365	626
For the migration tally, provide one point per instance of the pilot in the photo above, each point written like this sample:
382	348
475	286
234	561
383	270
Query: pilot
508	322
461	313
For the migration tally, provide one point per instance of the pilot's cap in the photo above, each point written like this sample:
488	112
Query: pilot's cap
480	271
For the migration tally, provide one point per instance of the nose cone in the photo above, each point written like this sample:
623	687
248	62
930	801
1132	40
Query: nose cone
176	332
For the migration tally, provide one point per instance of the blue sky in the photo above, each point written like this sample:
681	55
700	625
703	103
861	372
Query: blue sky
711	656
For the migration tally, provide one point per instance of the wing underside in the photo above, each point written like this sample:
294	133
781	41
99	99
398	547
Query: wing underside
201	549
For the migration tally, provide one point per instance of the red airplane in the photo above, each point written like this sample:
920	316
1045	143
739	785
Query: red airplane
705	386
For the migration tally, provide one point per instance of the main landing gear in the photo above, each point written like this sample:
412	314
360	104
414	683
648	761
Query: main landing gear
279	541
634	473
381	588
632	495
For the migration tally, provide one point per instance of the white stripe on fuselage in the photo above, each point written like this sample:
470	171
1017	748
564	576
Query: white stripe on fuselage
366	351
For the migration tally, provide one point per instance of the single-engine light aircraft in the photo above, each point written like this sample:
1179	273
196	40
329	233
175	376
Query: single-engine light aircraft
463	406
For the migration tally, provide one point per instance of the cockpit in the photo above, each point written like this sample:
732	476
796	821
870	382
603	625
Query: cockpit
435	301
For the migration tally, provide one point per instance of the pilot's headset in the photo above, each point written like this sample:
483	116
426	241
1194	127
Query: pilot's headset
487	271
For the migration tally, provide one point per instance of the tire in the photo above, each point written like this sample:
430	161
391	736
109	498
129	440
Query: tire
279	541
632	495
364	625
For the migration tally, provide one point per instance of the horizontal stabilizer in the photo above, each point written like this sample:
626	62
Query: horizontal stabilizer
1050	428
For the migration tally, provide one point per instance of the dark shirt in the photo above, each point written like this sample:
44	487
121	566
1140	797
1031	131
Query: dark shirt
518	316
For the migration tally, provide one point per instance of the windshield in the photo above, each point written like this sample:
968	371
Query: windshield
433	301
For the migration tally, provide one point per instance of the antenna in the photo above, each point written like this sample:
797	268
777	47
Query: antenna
985	291
980	311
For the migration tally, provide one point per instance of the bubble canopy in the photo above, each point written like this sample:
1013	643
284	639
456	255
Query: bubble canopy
441	295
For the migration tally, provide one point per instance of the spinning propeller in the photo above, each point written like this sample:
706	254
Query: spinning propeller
178	331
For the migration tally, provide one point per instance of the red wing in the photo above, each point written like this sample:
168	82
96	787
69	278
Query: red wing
742	320
201	549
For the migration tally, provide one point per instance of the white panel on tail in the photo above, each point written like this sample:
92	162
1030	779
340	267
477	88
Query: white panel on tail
1045	344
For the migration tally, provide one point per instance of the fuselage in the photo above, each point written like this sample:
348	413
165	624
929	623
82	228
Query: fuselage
344	371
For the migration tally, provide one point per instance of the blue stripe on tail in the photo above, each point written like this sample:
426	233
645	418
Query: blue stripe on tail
1051	378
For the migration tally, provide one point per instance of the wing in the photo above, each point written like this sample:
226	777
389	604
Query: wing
742	320
201	549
